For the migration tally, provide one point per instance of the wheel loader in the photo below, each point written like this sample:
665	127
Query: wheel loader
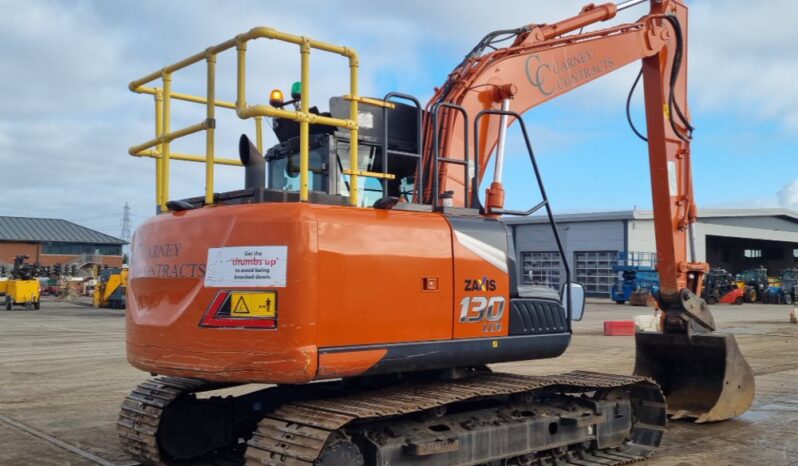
362	276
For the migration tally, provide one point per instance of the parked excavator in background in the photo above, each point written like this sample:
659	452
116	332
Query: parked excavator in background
111	288
366	263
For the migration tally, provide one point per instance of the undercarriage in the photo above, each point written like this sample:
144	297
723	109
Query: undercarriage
580	418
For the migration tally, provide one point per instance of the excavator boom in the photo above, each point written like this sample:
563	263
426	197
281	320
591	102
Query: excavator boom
547	61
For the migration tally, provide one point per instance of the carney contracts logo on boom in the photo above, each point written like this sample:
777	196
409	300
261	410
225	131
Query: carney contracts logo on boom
565	74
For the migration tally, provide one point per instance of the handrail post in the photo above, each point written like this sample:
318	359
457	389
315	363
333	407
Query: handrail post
158	166
209	132
354	191
259	133
241	73
304	124
385	146
539	178
435	156
165	146
436	159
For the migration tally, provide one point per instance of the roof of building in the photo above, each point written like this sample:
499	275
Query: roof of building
638	214
51	230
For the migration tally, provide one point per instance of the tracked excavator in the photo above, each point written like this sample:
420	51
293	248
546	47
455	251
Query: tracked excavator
361	277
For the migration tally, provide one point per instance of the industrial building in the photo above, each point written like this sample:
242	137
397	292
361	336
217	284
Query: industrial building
733	239
51	241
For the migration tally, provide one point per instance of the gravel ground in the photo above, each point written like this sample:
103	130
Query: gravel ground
63	374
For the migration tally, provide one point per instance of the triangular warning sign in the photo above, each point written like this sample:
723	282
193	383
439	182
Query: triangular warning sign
241	306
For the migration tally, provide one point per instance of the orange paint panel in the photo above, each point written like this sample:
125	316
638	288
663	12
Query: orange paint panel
167	296
371	269
347	364
354	277
288	365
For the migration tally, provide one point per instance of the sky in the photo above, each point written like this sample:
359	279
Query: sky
67	117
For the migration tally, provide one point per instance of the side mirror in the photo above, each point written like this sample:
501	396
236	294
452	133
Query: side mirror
577	294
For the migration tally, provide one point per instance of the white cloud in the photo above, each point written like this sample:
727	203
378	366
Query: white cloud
67	118
742	59
788	195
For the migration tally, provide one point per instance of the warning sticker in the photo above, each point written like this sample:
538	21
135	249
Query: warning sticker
672	186
365	120
253	304
247	266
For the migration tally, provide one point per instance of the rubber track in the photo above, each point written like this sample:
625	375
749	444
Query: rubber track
295	434
141	414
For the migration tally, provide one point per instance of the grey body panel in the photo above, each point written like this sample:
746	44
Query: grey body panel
407	357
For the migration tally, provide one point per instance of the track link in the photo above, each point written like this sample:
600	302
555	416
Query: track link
141	413
295	434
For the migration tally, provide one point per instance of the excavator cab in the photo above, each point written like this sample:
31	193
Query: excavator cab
329	158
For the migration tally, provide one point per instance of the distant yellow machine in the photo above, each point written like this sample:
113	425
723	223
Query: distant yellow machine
22	287
23	293
111	288
3	287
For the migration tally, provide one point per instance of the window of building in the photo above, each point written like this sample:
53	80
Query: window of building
795	253
753	253
727	254
773	254
541	268
594	270
81	248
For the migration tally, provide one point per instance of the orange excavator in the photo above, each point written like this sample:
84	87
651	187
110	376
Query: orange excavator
361	276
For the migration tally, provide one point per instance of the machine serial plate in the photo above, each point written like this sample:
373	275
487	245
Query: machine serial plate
253	304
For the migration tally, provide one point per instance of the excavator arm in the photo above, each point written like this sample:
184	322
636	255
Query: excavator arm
545	62
703	373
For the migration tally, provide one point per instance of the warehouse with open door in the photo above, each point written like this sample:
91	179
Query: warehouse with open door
732	239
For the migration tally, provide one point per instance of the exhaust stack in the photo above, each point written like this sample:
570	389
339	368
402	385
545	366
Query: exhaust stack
254	164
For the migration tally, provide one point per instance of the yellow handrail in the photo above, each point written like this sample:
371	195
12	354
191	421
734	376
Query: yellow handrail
159	147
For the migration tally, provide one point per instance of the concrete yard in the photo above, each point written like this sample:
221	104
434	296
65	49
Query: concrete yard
63	375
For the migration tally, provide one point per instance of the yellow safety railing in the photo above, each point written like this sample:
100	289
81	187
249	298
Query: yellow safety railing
159	147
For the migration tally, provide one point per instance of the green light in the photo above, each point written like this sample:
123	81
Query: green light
296	90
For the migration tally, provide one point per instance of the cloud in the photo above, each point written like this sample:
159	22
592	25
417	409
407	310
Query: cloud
67	118
788	195
747	72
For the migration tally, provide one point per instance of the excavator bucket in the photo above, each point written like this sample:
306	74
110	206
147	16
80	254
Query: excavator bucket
704	376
